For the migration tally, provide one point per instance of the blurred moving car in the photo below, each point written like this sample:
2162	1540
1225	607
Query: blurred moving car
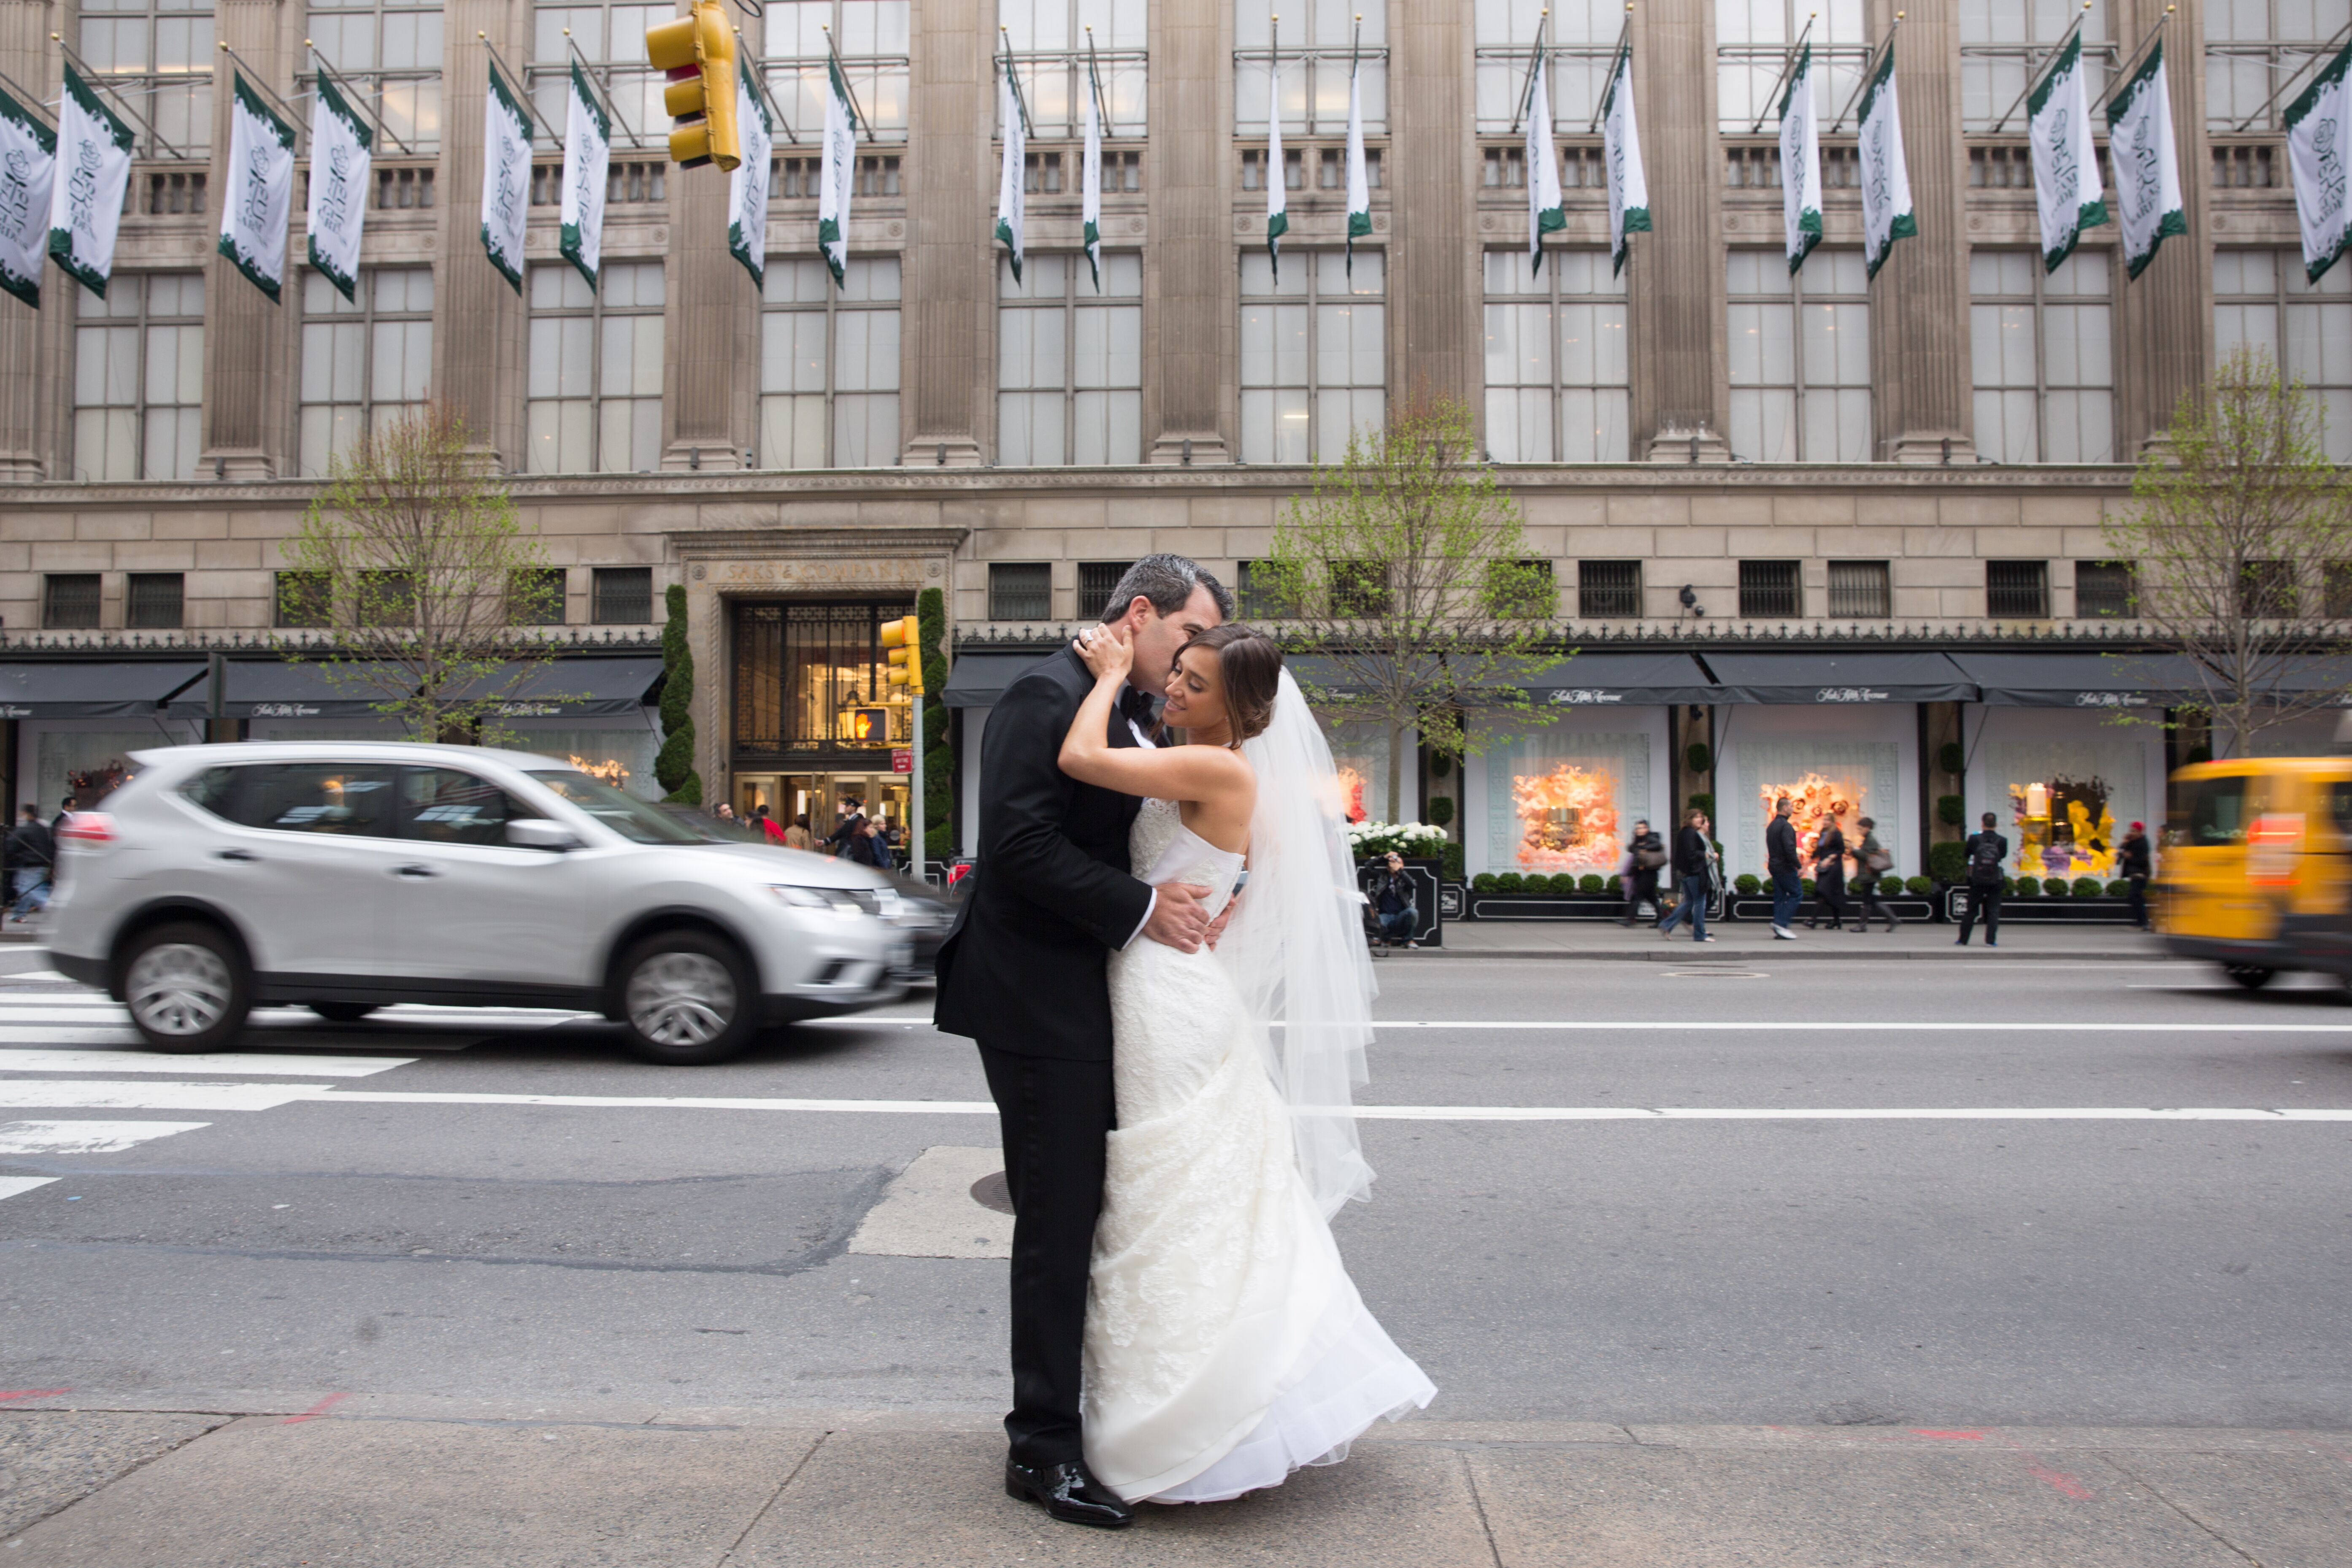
2256	872
922	911
348	876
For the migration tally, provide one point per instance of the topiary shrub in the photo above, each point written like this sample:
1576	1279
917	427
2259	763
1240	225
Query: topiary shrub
1950	758
1698	757
1483	882
2119	888
1440	764
1699	800
939	757
1453	871
2196	754
2021	887
1807	884
1590	882
1440	811
674	764
1950	810
1747	884
1510	882
1920	887
1948	863
2057	887
2087	888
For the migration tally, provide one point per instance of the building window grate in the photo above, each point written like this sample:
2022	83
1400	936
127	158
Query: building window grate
623	596
2017	590
1608	590
1096	581
2103	590
1258	592
1769	591
304	599
1860	591
70	601
535	597
1020	591
154	601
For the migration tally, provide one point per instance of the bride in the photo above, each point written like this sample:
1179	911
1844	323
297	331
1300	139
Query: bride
1225	1345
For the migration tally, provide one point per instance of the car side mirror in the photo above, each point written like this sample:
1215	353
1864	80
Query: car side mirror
539	833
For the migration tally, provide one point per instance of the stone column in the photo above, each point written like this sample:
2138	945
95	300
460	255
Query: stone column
37	393
1919	301
249	341
950	280
1436	336
478	327
1191	287
711	333
2165	316
1675	275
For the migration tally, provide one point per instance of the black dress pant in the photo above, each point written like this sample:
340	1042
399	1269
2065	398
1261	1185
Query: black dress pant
1056	1117
1985	901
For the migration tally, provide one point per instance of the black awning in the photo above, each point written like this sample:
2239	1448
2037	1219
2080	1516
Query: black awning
2078	679
275	689
1629	679
582	688
1836	679
977	680
72	689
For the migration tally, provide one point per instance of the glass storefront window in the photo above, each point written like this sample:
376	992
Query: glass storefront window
1563	800
813	677
2066	803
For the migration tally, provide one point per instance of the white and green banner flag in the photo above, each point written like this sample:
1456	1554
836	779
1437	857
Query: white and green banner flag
340	148
587	168
506	177
1277	185
1090	183
747	186
28	167
260	195
1800	164
86	196
838	172
1886	215
1547	212
1011	202
2066	166
2315	126
1359	190
1621	149
2147	164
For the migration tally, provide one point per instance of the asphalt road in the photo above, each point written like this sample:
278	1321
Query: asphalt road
1610	1265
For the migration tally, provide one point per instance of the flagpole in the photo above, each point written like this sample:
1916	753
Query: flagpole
29	100
2123	71
2032	76
1527	87
1012	75
850	93
2326	50
588	74
1787	64
1869	69
94	80
252	76
1094	80
768	92
331	74
523	90
1616	58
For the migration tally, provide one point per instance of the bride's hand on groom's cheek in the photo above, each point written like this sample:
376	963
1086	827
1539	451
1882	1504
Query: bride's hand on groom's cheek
1104	652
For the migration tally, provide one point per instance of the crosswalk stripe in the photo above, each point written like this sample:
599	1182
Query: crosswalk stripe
85	1137
12	1185
290	1064
87	1094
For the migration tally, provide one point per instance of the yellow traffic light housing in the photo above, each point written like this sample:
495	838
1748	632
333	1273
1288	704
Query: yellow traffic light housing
696	53
903	637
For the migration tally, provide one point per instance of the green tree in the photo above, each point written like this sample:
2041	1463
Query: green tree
429	582
937	761
673	764
2240	529
1404	574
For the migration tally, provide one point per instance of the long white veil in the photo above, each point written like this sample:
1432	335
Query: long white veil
1296	948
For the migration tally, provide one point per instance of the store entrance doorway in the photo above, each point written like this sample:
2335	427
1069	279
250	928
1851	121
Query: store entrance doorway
824	799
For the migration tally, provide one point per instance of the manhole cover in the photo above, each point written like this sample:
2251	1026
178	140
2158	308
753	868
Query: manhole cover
991	1192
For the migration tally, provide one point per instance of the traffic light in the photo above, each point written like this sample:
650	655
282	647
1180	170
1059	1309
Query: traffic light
903	637
696	52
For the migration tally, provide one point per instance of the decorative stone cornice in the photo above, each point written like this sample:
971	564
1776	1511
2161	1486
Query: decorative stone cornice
761	543
2112	637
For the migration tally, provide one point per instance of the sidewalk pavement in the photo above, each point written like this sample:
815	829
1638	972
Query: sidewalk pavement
390	1483
1746	940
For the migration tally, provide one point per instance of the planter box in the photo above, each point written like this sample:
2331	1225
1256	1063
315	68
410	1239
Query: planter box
1547	907
1428	885
1758	907
2043	909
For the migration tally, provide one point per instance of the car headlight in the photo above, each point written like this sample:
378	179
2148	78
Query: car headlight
833	901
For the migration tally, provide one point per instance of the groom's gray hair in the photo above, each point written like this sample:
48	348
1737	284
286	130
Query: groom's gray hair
1169	581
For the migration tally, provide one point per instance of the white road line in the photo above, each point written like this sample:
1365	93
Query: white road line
1849	1026
87	1094
668	1103
85	1137
12	1185
249	1063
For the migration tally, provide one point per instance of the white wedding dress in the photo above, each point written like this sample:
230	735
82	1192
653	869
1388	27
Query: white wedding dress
1225	1345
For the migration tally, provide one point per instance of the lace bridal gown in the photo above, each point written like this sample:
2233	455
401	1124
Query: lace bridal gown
1225	1345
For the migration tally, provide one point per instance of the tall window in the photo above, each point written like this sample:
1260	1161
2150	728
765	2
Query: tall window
1800	358
612	39
871	37
1754	40
595	369
2003	46
139	377
1315	42
158	55
2042	361
1582	41
1049	48
1555	359
2256	293
365	360
829	365
390	50
1313	354
1069	361
2252	47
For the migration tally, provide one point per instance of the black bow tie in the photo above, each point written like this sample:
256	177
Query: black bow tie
1135	707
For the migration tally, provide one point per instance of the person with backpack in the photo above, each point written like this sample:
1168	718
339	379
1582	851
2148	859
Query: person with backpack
1780	858
1986	851
1871	862
1645	852
2137	869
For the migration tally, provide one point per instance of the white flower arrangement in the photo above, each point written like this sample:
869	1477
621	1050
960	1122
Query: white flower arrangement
1368	839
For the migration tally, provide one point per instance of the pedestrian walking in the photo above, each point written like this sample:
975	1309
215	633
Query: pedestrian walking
1691	856
798	837
1872	862
32	857
873	846
2136	867
852	813
1395	904
1646	853
1781	860
1829	874
1987	851
766	824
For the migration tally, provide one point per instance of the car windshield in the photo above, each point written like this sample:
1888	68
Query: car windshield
623	813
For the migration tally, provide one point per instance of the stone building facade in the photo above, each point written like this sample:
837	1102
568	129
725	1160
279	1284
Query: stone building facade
1715	460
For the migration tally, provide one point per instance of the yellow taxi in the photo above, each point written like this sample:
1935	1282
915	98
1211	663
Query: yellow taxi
2255	869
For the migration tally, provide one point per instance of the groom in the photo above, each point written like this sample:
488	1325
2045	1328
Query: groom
1024	974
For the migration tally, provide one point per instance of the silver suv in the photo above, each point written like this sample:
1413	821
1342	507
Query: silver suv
348	876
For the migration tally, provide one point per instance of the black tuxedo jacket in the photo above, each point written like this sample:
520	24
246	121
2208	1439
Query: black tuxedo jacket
1024	969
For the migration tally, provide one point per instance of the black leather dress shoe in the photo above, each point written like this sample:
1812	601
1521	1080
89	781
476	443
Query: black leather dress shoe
1069	1492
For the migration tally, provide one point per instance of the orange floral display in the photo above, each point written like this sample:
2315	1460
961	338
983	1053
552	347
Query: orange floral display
1351	790
1808	796
1568	819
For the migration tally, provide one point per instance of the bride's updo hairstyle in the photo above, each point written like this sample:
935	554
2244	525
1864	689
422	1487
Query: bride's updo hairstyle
1251	666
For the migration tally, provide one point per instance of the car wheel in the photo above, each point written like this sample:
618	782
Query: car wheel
687	998
342	1012
2252	976
185	986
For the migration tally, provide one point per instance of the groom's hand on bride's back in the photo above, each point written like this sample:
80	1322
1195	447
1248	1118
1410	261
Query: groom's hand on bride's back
1178	920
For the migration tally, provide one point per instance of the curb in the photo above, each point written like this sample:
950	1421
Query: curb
1956	955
